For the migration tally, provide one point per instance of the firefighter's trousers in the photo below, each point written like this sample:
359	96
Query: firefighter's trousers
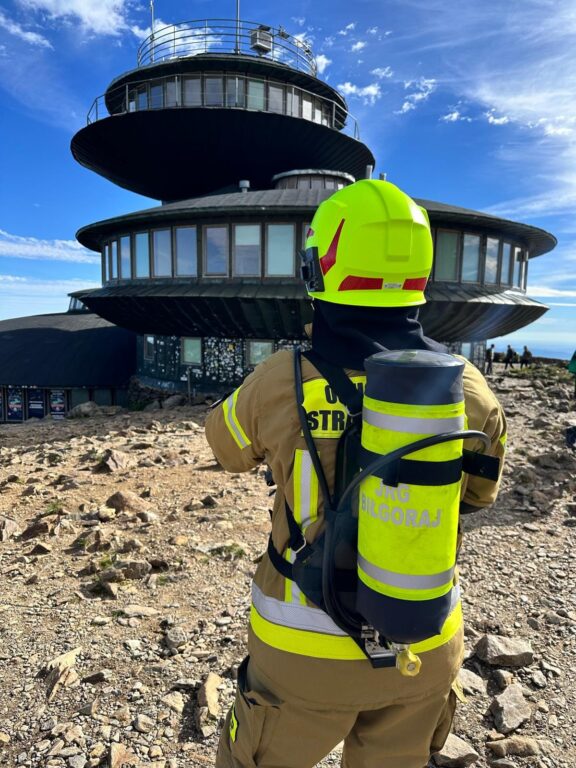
270	729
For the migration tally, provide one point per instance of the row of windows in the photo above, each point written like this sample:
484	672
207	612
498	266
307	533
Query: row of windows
269	250
192	354
469	258
241	250
227	90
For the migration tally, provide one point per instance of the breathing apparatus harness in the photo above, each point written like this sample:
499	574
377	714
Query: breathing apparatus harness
331	571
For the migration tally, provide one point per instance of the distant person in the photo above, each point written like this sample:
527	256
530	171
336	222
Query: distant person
509	357
525	358
489	359
572	369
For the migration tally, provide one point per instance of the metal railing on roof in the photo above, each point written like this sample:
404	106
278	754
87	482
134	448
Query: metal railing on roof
246	38
223	90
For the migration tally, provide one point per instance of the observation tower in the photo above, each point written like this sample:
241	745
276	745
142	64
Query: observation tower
228	126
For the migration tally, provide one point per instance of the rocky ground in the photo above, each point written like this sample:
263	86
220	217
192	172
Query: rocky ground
126	557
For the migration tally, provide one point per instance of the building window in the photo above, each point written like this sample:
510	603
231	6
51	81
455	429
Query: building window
142	97
306	107
156	96
446	260
518	267
247	259
235	92
192	92
105	264
113	259
142	247
293	102
186	252
256	94
172	95
162	253
125	257
149	347
491	265
213	92
258	351
275	98
506	263
280	250
216	250
471	259
191	351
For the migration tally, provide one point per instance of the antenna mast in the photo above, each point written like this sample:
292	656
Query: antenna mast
237	26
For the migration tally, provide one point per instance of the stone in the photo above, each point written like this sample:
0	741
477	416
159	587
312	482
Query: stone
176	638
506	651
120	757
8	528
84	411
143	723
77	761
175	701
471	682
455	753
522	746
208	695
510	709
127	501
139	611
114	461
133	569
4	738
174	401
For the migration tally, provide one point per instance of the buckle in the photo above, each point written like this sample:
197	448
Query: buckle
300	548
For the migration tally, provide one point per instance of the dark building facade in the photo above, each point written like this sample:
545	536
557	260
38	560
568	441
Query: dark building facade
209	279
51	363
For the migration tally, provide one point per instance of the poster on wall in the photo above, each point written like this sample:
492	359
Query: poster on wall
15	405
57	403
36	406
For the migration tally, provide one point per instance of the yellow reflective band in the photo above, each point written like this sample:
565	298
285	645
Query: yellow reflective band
303	642
409	410
229	408
233	725
305	511
503	439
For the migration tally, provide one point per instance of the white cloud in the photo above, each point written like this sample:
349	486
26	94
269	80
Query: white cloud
20	296
493	120
100	17
546	291
179	39
382	72
421	90
17	247
322	62
348	28
368	93
15	29
299	20
455	117
372	31
360	45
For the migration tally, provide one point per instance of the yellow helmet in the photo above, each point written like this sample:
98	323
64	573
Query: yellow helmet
368	245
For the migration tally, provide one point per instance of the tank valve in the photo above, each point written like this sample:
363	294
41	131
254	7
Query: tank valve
407	663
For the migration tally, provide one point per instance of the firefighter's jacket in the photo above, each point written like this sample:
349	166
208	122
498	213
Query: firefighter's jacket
259	423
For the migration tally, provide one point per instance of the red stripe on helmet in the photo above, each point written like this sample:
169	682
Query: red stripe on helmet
354	283
329	259
415	284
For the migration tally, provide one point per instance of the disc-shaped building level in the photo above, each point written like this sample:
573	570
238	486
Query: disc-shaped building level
210	280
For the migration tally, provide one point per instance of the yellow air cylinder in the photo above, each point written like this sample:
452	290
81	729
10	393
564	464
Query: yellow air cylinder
408	511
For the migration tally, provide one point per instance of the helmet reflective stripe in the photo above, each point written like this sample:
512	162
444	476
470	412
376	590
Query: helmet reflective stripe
417	426
304	509
369	244
318	644
229	409
405	581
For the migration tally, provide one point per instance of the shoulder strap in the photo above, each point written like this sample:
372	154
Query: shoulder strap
345	390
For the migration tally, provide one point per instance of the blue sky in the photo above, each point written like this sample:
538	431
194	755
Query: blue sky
466	102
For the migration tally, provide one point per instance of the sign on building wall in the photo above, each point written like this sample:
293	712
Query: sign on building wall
57	403
36	404
15	404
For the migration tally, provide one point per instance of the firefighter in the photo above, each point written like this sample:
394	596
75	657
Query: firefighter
306	686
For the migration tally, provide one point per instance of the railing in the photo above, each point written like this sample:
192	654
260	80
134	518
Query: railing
218	90
246	38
